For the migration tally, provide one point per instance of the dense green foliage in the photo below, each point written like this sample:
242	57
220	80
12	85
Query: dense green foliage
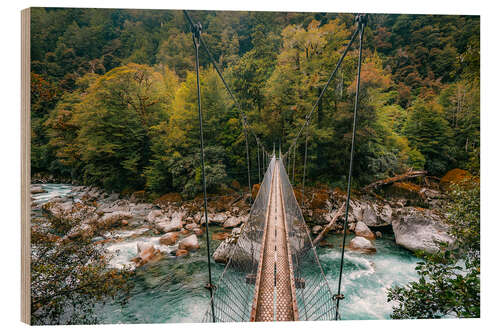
70	279
114	99
449	283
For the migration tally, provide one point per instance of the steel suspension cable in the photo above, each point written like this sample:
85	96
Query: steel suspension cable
263	163
258	161
219	72
293	166
361	25
305	165
248	165
196	41
337	66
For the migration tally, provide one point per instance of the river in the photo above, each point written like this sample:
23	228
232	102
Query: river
172	289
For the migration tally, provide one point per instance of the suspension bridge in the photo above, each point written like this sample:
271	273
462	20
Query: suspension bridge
273	272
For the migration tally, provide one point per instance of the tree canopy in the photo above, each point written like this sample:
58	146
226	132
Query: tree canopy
114	95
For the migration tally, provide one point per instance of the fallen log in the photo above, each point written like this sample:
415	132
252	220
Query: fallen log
390	180
329	226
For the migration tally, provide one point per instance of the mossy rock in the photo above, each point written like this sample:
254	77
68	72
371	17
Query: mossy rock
453	177
168	198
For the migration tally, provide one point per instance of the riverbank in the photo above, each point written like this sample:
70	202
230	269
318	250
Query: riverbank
148	236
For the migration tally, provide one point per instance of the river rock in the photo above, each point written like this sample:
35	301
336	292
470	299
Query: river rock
191	226
218	218
362	230
170	238
317	229
153	215
114	218
84	231
220	236
419	229
362	244
234	221
189	243
181	253
167	225
378	234
198	231
146	252
114	196
57	209
37	190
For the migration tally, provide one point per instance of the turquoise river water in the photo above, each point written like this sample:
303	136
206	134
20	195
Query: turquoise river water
172	289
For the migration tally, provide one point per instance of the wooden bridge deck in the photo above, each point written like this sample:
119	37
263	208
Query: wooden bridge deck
274	297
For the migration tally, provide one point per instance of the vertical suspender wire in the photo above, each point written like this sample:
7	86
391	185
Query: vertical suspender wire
248	164
305	164
287	165
293	166
332	75
263	163
361	22
258	161
196	41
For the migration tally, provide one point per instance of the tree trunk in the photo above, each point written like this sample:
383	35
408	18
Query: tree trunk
329	226
387	181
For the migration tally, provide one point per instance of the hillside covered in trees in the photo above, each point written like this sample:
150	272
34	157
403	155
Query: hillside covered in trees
113	99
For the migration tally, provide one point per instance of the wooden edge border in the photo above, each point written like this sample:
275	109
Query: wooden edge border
25	167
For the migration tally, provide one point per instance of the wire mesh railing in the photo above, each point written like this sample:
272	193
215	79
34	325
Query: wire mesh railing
314	296
233	296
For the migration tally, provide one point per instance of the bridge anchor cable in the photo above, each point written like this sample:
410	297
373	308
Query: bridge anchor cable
196	41
361	19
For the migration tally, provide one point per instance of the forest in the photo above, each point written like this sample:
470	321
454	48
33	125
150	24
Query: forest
114	104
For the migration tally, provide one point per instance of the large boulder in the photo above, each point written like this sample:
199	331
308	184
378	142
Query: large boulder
362	230
224	250
189	243
357	210
170	238
385	216
370	216
362	244
420	229
374	216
